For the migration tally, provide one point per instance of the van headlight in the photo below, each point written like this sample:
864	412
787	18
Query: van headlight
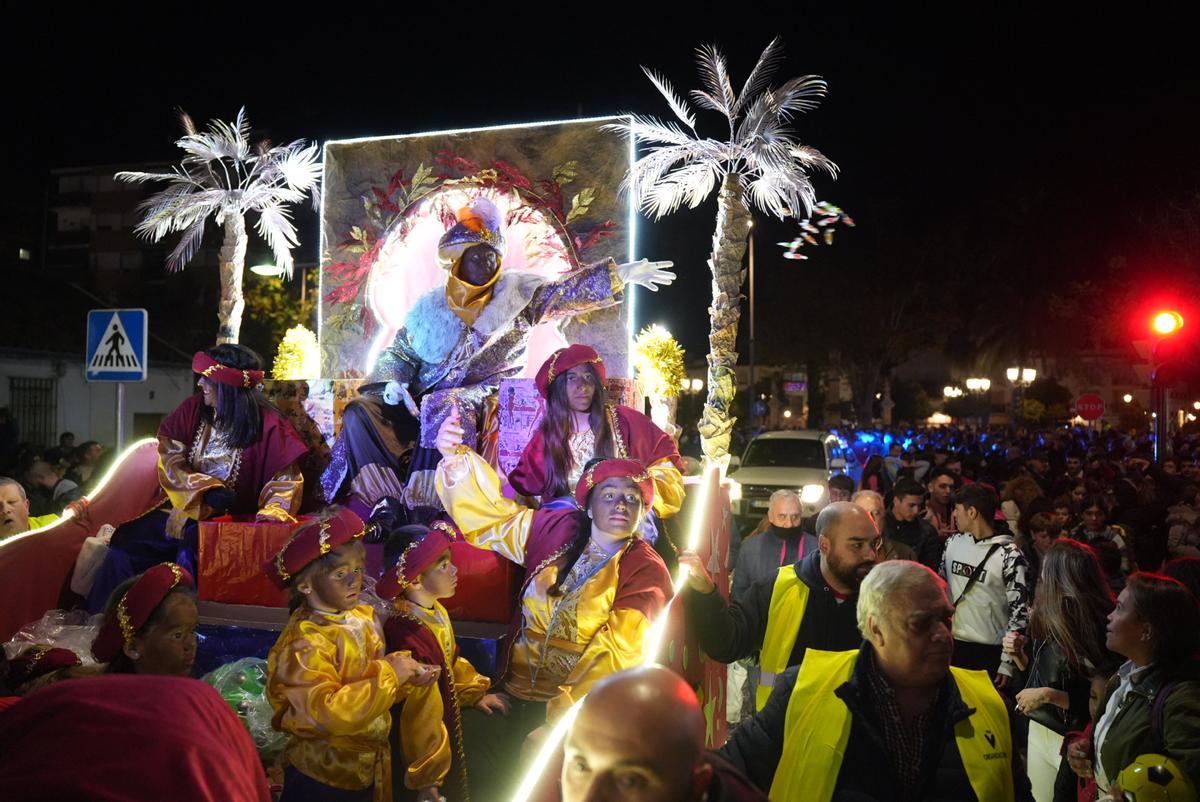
811	494
735	490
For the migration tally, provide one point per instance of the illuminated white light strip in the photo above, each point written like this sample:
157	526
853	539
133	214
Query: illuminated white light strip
450	131
631	326
69	514
525	789
321	249
649	655
659	629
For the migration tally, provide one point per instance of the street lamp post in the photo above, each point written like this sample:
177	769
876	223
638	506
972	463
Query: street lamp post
1020	378
979	388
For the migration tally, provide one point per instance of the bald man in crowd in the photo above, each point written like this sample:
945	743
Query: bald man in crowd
808	604
639	737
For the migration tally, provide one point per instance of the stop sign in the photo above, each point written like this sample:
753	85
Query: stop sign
1089	406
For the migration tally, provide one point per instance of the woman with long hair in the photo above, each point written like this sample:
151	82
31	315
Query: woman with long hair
1070	608
1152	703
591	590
580	426
225	450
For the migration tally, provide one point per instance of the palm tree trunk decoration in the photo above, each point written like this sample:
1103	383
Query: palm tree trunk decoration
224	177
232	263
762	164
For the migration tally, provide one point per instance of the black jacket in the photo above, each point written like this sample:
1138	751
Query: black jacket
918	535
730	632
756	746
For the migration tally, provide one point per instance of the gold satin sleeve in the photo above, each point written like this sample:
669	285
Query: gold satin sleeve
184	487
469	684
668	488
615	647
470	491
317	703
280	498
424	741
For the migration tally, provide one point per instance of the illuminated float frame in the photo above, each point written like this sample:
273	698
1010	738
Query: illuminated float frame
631	292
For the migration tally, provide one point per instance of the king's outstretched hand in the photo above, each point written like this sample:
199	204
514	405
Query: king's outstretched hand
645	273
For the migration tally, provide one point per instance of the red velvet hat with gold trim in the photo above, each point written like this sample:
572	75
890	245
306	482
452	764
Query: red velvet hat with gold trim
135	608
563	360
210	368
312	541
417	558
615	468
38	661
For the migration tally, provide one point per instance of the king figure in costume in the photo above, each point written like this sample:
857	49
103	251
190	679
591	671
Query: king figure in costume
456	344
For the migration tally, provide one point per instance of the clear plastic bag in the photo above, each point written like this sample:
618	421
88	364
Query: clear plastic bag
66	629
243	684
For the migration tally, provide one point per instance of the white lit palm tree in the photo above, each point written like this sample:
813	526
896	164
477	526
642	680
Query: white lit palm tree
761	163
222	175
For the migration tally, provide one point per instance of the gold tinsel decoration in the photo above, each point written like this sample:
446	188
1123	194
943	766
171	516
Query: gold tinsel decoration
298	356
659	362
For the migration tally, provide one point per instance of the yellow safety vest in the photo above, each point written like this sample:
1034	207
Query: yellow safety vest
817	730
789	598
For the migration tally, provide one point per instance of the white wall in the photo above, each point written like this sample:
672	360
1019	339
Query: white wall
89	408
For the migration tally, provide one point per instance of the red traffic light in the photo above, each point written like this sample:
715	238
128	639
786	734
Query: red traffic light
1166	322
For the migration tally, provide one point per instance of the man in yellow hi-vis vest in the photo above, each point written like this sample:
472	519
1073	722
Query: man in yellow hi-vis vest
806	605
890	721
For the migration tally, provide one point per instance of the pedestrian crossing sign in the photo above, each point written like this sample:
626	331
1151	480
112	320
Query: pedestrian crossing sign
116	345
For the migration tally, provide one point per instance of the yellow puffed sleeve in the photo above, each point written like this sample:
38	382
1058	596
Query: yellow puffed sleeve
668	488
280	498
184	487
469	685
470	491
615	647
424	741
306	680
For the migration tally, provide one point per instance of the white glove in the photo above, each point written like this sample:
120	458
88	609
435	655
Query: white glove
394	392
646	274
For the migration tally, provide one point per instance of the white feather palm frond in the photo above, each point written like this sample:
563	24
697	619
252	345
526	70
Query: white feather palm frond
814	159
651	129
300	166
275	226
160	209
656	164
674	100
714	75
770	59
800	94
205	147
189	243
135	177
233	138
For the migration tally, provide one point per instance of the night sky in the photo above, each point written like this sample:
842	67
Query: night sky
928	113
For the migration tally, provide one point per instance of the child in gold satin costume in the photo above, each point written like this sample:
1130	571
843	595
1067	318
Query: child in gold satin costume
330	681
427	735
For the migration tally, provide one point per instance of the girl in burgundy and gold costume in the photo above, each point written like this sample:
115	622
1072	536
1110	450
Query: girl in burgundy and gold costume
592	589
222	451
579	426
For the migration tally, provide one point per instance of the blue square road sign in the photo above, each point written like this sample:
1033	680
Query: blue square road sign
116	345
